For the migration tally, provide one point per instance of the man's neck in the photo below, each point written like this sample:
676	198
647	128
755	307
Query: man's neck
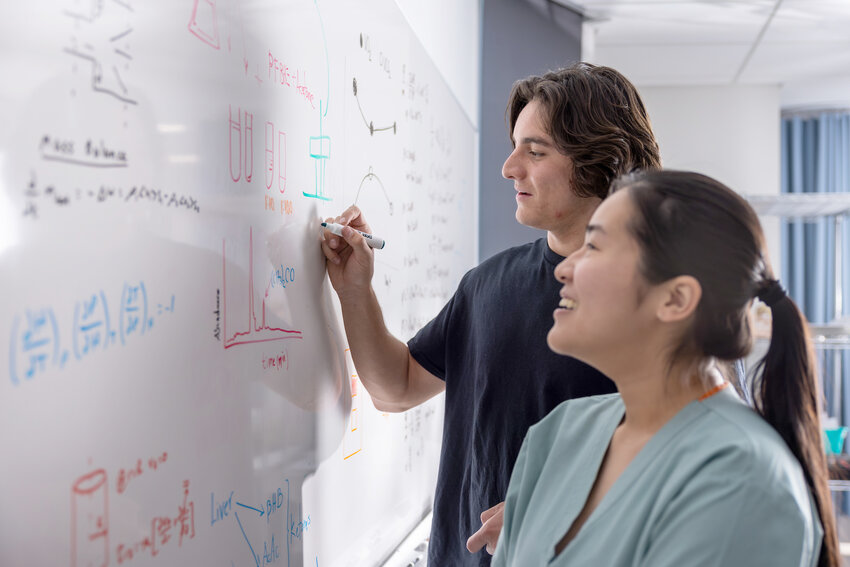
569	237
565	244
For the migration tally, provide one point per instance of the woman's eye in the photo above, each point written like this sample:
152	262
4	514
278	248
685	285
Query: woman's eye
590	246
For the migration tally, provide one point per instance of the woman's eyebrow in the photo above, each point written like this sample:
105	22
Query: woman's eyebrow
594	228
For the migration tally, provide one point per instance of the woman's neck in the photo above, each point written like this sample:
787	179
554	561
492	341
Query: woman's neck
653	398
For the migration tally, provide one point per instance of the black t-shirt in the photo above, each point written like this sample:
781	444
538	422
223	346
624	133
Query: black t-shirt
489	345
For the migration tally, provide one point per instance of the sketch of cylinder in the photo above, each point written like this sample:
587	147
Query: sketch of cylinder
281	161
249	146
269	155
90	521
235	144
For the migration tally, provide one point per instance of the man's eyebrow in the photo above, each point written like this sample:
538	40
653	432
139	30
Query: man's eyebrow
538	141
594	228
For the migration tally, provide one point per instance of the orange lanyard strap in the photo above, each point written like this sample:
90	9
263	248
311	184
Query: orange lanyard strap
713	391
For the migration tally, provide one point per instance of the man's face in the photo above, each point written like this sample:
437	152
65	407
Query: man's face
542	178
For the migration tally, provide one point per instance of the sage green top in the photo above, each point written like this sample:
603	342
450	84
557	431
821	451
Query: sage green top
716	486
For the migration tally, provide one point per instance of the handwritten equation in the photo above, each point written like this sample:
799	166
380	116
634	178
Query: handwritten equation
163	529
38	194
38	343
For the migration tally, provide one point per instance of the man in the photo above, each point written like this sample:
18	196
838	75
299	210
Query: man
573	132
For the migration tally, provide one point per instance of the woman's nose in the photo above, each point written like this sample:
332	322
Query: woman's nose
564	269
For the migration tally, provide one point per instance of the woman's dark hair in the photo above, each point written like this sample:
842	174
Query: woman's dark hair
596	117
690	224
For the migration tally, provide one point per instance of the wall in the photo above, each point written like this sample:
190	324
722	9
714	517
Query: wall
826	92
518	39
728	132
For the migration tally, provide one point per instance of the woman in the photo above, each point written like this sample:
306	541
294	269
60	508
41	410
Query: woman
674	470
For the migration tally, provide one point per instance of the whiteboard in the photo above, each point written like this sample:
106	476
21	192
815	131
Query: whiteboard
177	387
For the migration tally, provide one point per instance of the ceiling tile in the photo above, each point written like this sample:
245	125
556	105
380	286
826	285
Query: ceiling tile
679	65
682	23
779	63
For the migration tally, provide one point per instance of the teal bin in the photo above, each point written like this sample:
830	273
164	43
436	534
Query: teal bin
835	440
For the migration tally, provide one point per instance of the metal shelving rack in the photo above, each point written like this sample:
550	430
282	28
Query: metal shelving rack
832	338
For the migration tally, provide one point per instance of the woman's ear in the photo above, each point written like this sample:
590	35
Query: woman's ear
680	297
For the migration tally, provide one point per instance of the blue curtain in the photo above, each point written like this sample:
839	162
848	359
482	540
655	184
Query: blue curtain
816	159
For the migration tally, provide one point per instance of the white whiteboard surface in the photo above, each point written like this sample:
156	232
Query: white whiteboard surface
177	387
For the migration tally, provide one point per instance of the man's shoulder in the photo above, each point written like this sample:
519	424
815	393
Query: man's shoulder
524	254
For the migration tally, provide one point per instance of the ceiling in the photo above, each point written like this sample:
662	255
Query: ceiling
718	42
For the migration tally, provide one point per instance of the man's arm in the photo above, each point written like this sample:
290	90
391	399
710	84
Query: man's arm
394	380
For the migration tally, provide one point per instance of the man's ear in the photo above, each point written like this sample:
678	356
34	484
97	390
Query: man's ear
679	300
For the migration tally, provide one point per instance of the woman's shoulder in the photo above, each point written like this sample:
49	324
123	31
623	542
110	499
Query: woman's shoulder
578	416
751	446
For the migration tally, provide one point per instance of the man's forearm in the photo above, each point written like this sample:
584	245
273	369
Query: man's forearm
380	358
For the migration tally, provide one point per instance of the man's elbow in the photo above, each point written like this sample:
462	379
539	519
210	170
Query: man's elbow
390	407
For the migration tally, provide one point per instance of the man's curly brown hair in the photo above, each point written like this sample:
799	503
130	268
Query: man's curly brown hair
596	117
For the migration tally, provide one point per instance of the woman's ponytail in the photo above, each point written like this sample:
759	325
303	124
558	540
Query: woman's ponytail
786	395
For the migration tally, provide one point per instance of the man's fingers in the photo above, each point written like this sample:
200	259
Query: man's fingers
354	239
491	527
330	255
477	541
329	237
353	217
490	512
348	215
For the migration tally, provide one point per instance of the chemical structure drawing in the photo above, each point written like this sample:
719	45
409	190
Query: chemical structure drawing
106	48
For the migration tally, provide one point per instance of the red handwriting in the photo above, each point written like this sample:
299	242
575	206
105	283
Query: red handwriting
282	74
270	204
163	530
279	362
303	90
127	475
279	71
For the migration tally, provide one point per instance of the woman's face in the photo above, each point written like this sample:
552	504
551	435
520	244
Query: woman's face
602	315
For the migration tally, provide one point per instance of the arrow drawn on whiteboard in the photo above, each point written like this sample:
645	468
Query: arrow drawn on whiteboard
251	547
262	512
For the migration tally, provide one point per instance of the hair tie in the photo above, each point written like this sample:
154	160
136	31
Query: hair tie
771	293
